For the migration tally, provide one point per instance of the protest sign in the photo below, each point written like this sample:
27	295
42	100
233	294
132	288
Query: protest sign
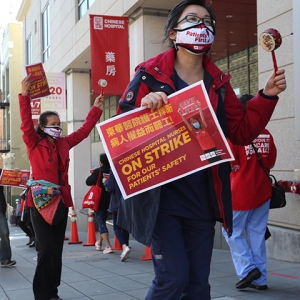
147	149
39	87
14	178
56	101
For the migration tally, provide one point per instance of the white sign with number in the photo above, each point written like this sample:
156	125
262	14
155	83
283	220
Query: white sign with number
56	101
35	108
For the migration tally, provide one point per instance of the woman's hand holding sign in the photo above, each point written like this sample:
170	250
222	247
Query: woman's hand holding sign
26	85
154	100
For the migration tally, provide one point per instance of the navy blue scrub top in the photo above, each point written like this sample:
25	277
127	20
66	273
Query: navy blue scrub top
188	196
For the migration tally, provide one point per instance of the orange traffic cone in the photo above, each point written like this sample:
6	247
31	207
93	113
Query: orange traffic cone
74	233
148	255
117	245
91	239
66	238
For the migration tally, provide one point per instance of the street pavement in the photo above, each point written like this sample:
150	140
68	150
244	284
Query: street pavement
90	274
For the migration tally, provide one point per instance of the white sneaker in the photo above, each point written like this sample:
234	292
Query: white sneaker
98	246
107	250
125	253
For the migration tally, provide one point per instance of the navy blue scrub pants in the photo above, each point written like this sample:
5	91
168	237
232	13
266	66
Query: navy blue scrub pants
181	253
121	234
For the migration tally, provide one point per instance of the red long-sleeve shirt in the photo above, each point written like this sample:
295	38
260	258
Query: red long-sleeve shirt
43	157
249	184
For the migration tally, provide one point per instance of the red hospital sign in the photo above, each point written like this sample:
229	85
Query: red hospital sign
109	54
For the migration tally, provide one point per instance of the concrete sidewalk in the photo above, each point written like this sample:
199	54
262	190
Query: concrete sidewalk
90	274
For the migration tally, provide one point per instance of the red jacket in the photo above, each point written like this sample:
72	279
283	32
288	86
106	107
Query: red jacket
42	156
250	186
157	74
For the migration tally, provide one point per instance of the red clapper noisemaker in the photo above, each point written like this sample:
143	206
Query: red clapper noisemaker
270	40
103	84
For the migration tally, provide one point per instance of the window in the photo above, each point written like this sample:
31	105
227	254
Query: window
109	109
29	51
46	33
83	6
243	67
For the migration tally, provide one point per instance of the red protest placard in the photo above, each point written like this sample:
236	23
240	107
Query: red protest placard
39	87
148	149
16	178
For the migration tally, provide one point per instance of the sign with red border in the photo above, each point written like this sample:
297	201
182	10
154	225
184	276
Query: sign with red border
147	149
14	178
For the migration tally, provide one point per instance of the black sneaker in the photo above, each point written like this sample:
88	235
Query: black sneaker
258	287
32	245
31	239
8	263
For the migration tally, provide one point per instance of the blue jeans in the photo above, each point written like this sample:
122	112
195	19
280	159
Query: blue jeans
101	217
5	250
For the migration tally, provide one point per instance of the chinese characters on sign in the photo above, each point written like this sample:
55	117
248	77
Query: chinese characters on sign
139	126
109	53
110	58
148	149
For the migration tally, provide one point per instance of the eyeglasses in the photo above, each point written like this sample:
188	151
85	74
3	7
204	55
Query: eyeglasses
53	126
198	20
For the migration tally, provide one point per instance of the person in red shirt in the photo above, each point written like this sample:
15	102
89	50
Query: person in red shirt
48	153
251	193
